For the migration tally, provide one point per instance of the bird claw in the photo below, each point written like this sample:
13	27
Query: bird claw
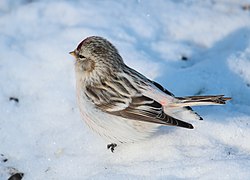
111	147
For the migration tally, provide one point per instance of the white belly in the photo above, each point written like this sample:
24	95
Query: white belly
113	128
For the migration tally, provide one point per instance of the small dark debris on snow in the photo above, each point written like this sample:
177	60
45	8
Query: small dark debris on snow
16	176
3	159
14	99
184	58
246	7
48	169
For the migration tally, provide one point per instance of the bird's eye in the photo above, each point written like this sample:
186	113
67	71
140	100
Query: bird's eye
81	56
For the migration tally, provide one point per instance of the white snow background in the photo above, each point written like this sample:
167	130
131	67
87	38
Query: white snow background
191	47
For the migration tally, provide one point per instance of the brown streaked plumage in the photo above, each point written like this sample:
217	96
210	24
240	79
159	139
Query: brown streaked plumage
121	104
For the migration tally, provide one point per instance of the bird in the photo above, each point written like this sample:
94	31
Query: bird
122	105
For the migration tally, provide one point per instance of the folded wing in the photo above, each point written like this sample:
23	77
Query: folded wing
136	107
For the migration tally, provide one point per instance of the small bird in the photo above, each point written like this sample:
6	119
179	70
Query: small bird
122	105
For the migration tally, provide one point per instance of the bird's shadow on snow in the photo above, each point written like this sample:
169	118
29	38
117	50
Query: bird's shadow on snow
164	130
231	84
234	42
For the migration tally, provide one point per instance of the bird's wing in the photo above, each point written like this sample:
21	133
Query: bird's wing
114	98
183	113
162	88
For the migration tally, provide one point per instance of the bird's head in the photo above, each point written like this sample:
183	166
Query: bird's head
96	54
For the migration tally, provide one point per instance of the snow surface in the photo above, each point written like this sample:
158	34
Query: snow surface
191	47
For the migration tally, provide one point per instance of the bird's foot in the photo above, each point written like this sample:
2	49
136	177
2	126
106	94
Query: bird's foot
111	147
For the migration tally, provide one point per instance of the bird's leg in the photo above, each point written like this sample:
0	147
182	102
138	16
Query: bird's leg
111	147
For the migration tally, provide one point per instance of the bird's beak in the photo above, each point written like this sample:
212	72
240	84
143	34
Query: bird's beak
73	53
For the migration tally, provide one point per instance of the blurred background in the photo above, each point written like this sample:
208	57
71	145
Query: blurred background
191	47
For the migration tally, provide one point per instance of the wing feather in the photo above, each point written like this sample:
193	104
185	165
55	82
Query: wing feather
117	100
187	110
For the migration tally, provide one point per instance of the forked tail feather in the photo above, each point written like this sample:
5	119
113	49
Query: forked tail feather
200	100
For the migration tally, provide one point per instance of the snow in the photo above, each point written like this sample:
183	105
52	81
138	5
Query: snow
43	136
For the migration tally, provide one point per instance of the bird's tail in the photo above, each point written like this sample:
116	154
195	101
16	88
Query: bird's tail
200	100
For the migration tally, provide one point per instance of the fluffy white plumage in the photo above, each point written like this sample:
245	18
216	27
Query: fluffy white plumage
112	128
121	104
